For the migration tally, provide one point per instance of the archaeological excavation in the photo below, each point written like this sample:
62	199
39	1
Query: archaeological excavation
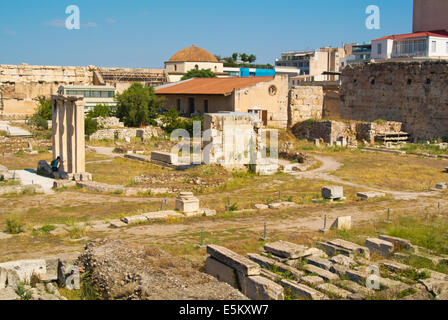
225	184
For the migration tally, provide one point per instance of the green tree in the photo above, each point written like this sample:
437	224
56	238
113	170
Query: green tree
171	120
244	57
203	73
252	58
235	56
100	110
90	126
44	108
138	105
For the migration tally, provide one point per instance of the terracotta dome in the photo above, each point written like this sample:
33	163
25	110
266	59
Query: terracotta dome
193	54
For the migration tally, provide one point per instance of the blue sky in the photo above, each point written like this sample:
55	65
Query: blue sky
137	33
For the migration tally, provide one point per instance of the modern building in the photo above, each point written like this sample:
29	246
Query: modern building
237	94
192	58
359	53
313	63
249	72
413	45
430	15
93	95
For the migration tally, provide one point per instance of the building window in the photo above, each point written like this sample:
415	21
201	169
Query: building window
434	46
175	67
205	106
196	67
380	48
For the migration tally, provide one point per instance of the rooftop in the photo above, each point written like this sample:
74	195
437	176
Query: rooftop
193	54
212	86
437	33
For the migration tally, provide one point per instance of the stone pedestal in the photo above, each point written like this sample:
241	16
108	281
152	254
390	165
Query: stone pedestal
186	202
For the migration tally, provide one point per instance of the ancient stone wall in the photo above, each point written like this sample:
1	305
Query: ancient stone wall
413	93
305	102
123	133
21	85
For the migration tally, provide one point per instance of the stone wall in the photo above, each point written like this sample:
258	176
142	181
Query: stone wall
413	93
127	133
21	85
305	102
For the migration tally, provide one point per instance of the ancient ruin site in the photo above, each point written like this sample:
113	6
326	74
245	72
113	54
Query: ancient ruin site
191	182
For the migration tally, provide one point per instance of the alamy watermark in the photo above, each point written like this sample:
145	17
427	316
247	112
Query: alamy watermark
73	21
373	21
232	145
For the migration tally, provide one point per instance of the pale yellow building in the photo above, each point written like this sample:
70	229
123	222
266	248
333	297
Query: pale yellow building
214	95
192	58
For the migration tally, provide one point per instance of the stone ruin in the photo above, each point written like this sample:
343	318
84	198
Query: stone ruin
238	141
348	133
336	269
68	140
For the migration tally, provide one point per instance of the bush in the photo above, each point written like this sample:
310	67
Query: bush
3	133
13	226
38	121
91	126
203	73
100	110
44	108
171	121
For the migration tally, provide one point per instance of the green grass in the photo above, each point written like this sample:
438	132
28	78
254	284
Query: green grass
419	148
13	226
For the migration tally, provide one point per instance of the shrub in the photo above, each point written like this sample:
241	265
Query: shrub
3	133
91	126
23	293
38	121
44	108
13	226
100	110
380	121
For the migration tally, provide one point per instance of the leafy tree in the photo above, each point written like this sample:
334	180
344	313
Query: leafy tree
171	120
138	105
235	56
244	57
90	126
100	110
252	58
44	108
218	57
203	73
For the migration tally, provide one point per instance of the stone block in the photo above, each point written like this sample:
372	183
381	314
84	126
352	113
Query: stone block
272	264
343	260
233	260
270	275
326	275
187	203
261	207
356	288
342	223
350	246
285	249
370	195
221	272
135	219
333	192
320	263
379	246
399	243
332	290
301	291
26	268
260	288
394	266
312	280
332	250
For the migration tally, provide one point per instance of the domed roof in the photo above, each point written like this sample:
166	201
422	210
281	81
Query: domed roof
193	54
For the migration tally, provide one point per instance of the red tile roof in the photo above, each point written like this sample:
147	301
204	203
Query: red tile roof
213	86
437	33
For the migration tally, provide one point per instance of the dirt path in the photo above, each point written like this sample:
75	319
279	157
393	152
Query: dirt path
329	165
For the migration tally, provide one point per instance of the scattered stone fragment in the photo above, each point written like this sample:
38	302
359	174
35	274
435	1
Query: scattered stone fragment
394	266
340	270
379	246
301	291
332	250
26	268
326	275
8	294
261	207
332	290
370	195
231	259
333	192
285	249
135	219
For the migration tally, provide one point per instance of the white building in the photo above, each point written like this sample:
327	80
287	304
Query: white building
413	45
93	95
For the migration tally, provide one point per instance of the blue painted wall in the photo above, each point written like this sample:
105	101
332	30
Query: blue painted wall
245	72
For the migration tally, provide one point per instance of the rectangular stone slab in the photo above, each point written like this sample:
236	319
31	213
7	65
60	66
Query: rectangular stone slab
301	291
332	250
260	288
270	263
331	289
379	246
236	261
399	243
320	263
326	275
347	245
285	249
221	272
